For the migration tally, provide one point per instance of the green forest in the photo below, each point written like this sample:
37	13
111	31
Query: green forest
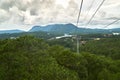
32	58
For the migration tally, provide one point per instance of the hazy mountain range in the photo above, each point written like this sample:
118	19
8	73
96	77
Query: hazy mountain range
70	28
63	28
10	31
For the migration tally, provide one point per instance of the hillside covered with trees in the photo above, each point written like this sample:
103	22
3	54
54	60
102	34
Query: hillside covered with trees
30	58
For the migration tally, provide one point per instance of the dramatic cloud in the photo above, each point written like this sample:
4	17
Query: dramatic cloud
23	14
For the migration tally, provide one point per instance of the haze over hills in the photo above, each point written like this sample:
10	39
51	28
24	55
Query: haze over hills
10	31
63	28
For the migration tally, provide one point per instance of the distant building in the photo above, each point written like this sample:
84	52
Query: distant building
65	36
116	33
108	35
14	37
83	42
97	39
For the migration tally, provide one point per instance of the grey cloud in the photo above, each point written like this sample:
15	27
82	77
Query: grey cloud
3	15
30	12
6	4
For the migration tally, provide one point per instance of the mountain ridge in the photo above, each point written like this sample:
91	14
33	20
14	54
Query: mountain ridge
70	28
62	28
10	31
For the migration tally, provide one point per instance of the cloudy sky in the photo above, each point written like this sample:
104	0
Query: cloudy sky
23	14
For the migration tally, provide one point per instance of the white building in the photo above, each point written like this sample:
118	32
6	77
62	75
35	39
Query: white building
116	33
65	35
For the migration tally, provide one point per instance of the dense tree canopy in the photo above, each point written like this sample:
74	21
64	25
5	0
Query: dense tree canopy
30	58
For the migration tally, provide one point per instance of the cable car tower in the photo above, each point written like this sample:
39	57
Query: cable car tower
78	38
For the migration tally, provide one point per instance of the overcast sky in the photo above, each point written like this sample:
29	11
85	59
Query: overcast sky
23	14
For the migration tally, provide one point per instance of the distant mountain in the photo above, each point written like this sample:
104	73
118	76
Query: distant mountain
10	31
50	31
70	28
115	30
60	28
